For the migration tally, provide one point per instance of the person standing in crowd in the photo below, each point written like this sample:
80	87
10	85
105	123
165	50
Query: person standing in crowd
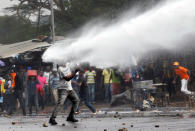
65	90
168	78
116	81
127	79
32	93
108	88
13	75
18	91
41	89
25	84
54	83
74	83
135	74
91	75
47	74
8	94
183	73
2	84
2	93
149	72
82	83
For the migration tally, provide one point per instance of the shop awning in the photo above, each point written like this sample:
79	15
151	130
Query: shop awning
21	47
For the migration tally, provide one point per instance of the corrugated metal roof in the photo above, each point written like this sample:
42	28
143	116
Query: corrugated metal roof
21	47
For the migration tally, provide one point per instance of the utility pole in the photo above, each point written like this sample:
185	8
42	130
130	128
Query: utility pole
52	22
53	28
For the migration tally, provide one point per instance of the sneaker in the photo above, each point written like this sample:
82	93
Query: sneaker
37	112
77	112
10	113
30	113
71	119
192	98
24	113
94	113
193	94
52	121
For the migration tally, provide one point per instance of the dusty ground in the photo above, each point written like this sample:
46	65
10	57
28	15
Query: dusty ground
19	123
107	119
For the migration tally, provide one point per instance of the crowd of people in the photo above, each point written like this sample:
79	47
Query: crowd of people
43	88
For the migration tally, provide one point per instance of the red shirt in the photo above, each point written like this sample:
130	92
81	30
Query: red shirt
42	83
13	79
127	77
182	72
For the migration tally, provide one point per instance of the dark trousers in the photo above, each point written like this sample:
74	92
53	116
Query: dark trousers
62	96
67	102
2	102
18	94
41	99
7	102
47	96
108	92
91	92
84	97
33	99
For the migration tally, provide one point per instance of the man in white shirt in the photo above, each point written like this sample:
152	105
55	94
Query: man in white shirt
65	90
47	91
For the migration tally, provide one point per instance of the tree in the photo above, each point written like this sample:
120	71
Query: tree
72	14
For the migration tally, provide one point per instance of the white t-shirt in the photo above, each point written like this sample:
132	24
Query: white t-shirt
47	75
63	84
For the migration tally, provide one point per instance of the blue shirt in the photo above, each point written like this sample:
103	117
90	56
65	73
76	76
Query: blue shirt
54	81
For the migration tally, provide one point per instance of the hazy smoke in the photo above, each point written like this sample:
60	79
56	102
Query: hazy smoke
123	43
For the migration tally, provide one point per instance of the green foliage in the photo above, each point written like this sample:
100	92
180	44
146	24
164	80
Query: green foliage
69	16
79	12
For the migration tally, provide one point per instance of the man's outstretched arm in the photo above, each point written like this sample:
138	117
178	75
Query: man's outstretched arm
68	78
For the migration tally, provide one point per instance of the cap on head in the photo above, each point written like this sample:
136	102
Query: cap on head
176	63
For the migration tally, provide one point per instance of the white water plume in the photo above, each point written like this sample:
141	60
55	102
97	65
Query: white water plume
165	27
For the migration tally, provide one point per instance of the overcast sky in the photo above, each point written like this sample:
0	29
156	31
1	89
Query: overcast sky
6	3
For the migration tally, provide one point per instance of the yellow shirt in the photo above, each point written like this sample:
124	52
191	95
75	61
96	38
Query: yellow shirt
106	75
2	86
91	77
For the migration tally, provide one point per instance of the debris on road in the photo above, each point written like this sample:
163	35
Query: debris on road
13	123
45	124
137	111
123	129
116	116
